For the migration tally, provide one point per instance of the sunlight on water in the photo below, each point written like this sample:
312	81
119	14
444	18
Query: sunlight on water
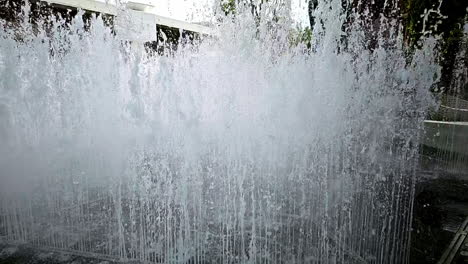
238	149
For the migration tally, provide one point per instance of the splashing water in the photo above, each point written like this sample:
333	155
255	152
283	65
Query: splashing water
237	149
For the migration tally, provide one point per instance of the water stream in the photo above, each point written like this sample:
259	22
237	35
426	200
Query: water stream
238	148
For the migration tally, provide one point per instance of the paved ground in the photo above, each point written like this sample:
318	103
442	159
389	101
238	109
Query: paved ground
21	254
441	206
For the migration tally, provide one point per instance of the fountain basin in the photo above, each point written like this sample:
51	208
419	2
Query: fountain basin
447	136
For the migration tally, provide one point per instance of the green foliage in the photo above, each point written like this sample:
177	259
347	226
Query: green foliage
232	6
439	21
228	7
443	19
301	36
413	13
296	36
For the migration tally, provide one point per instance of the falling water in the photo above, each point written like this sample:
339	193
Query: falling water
239	148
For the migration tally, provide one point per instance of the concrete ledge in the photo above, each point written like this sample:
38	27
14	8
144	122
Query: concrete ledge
447	136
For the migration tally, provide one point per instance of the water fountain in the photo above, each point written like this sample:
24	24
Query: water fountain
235	149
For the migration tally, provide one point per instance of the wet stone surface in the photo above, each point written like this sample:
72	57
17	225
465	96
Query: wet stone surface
440	207
22	254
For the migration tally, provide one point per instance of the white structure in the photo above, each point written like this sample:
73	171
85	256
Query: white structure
136	19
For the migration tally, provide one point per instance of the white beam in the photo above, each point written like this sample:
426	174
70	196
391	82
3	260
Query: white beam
107	8
451	123
90	5
166	21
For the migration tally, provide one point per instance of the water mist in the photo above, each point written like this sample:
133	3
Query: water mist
239	148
